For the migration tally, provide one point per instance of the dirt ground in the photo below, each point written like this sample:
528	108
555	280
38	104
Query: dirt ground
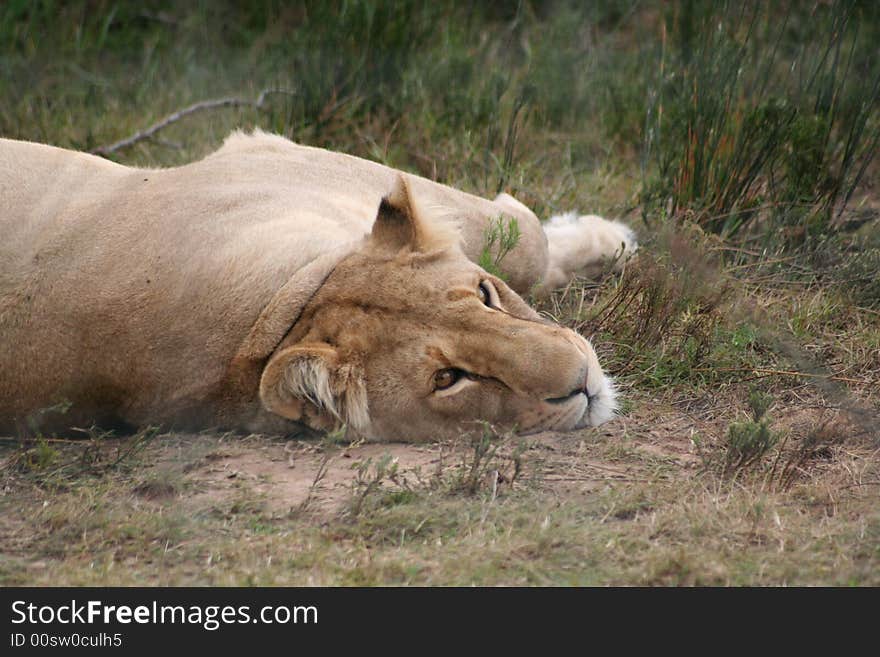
293	473
299	472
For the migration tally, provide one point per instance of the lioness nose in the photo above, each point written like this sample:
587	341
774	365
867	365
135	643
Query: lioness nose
582	389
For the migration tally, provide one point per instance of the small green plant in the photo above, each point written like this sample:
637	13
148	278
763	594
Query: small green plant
336	437
485	463
501	236
816	445
484	450
748	442
369	477
320	474
39	457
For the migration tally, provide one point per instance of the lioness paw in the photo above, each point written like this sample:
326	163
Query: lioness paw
584	245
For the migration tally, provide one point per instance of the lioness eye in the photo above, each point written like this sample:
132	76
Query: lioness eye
446	378
483	293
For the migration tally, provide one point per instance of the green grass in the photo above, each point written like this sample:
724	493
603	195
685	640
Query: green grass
747	125
737	139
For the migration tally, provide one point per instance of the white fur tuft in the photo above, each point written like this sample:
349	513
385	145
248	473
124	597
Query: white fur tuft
311	380
603	405
583	245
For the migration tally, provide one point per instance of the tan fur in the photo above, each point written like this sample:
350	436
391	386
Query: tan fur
266	285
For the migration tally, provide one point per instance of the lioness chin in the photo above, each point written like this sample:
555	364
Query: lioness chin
272	285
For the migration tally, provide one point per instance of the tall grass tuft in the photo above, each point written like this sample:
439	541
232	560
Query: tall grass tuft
761	115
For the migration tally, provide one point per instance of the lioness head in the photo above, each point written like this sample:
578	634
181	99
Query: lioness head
409	340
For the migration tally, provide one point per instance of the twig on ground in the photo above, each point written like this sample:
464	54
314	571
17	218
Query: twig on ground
770	372
186	111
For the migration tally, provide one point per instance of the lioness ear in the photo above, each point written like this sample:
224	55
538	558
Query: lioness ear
396	225
399	224
310	382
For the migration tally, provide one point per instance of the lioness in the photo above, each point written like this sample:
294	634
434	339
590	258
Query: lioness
272	285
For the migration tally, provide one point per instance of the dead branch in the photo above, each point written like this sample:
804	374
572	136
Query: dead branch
771	372
183	113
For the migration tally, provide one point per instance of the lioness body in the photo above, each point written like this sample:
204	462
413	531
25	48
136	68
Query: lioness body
158	296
